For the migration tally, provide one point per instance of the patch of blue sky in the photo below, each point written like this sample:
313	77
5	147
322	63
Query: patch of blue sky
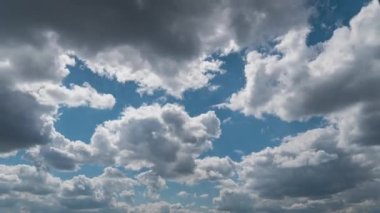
18	158
194	192
79	123
331	14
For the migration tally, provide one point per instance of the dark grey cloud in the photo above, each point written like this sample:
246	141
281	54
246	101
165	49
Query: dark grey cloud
31	90
58	158
156	44
95	25
172	28
21	121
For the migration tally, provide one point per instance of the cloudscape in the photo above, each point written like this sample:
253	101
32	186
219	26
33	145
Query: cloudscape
189	106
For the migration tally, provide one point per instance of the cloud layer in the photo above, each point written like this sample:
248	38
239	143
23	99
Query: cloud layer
160	45
174	46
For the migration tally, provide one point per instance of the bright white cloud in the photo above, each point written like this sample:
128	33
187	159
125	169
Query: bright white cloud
306	81
74	96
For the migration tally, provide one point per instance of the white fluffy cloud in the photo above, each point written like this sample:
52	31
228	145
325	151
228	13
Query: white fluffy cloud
25	188
212	169
318	170
304	166
305	81
153	182
164	138
74	96
306	173
104	191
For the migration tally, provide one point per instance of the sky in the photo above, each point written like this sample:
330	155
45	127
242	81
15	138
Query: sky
180	106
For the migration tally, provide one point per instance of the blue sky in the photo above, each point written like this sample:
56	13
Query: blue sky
259	115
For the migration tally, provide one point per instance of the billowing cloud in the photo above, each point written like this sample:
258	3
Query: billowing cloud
302	82
153	182
308	165
22	122
212	169
170	46
319	170
157	44
310	172
29	78
164	138
25	188
100	192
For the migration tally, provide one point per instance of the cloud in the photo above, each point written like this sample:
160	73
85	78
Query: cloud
158	45
25	122
74	96
163	138
304	81
29	78
160	207
33	189
153	182
22	122
308	165
319	170
24	187
212	169
99	192
234	201
27	179
183	194
310	172
336	79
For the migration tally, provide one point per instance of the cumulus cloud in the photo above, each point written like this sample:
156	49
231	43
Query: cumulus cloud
100	192
157	44
308	165
304	81
29	78
24	186
319	170
153	182
164	138
211	169
337	79
168	46
234	202
23	122
310	172
161	207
